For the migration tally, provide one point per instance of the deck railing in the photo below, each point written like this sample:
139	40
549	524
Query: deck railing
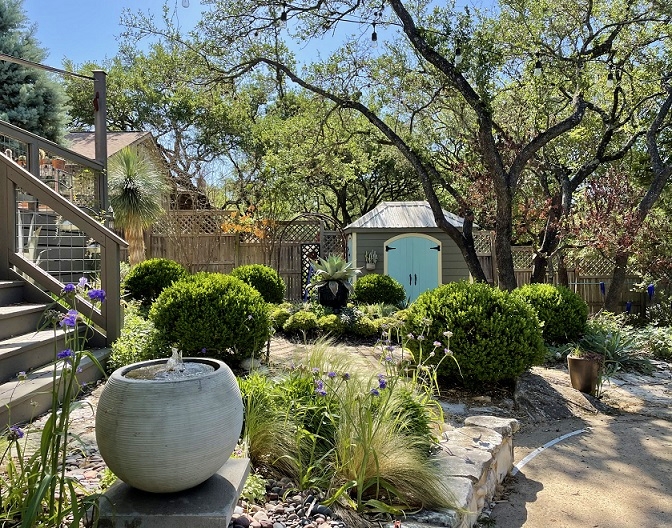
45	237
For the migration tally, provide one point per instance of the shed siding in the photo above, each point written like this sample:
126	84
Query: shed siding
454	268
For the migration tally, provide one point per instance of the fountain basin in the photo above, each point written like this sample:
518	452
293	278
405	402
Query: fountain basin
168	435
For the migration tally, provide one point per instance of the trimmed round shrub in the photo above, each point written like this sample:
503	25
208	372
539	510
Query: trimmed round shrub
215	312
364	327
331	324
374	288
280	314
301	322
563	312
146	280
496	335
264	279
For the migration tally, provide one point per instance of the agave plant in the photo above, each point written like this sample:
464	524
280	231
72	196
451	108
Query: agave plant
331	272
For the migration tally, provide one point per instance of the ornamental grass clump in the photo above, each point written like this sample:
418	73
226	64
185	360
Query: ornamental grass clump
363	436
496	336
34	489
215	312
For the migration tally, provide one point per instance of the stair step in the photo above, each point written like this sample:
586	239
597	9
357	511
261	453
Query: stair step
22	401
28	351
11	292
17	319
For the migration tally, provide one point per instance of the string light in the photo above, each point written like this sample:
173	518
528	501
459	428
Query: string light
185	3
610	79
283	15
537	67
374	35
458	56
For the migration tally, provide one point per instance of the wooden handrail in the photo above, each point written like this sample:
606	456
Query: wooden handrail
13	176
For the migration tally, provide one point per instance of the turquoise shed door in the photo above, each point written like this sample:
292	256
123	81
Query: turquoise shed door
415	262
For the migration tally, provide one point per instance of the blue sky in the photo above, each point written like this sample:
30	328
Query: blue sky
77	30
82	31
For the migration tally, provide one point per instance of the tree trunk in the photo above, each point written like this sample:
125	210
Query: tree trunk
612	302
503	236
549	242
136	244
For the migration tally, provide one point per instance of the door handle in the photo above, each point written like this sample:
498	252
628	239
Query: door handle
389	248
416	279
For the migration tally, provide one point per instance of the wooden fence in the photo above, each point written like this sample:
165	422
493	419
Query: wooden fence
196	240
584	277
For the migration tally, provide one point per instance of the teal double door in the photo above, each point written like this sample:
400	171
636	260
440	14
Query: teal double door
415	261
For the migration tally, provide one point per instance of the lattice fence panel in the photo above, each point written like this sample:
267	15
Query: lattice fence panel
301	232
332	244
482	243
308	252
522	258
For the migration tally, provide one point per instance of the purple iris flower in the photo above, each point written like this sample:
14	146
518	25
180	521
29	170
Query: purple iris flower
69	288
65	354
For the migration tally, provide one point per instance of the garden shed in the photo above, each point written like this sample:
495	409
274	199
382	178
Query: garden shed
409	246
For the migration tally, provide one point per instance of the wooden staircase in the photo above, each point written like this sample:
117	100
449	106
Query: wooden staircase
26	349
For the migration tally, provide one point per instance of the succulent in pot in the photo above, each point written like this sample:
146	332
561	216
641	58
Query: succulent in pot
332	280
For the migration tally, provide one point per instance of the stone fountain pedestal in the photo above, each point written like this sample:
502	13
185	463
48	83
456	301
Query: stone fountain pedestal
208	505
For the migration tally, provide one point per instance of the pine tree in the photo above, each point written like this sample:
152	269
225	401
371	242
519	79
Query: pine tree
29	98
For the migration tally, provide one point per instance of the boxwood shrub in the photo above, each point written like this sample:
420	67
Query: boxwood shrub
301	322
563	312
264	279
496	336
215	312
146	280
374	288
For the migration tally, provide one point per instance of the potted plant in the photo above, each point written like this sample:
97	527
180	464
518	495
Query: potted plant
585	370
331	278
370	258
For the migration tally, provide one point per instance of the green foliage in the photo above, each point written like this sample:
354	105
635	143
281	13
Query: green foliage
496	336
562	312
619	347
331	324
137	190
215	312
301	322
139	341
331	272
374	288
254	490
657	340
146	280
264	279
280	314
374	432
34	487
364	327
30	99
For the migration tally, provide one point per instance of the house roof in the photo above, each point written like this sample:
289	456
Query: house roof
83	143
402	215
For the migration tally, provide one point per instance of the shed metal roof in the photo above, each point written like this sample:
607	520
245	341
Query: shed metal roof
402	215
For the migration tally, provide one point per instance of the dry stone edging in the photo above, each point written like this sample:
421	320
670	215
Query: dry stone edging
475	459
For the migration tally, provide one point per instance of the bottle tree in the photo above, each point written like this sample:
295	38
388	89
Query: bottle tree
29	98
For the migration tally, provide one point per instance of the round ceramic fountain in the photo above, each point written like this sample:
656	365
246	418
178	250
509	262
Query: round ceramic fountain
165	425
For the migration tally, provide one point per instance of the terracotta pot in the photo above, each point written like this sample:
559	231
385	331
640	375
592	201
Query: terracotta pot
165	436
584	373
